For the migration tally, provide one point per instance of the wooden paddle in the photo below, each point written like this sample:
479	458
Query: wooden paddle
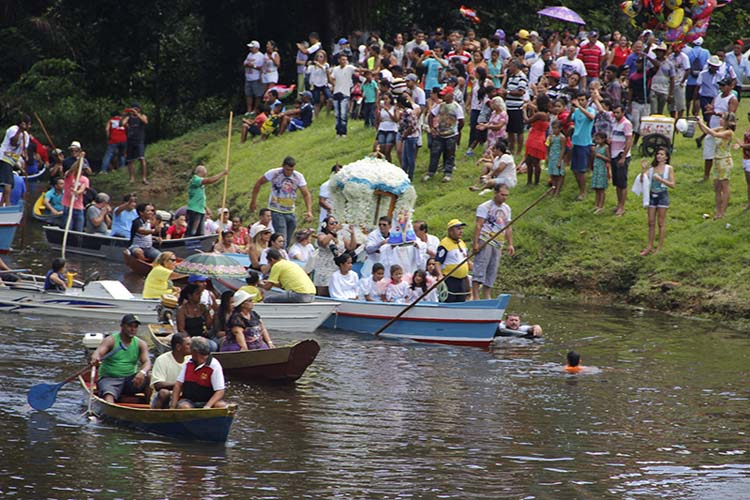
472	254
44	129
226	165
42	396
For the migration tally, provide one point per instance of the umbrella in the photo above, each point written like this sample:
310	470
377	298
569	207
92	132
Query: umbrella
211	264
562	13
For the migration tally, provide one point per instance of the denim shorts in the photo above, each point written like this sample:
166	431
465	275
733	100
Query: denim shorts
658	200
386	137
316	91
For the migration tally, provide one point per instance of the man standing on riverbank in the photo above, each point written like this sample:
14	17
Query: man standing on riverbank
135	123
196	206
493	217
284	185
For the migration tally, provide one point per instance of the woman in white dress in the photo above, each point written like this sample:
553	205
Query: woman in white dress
342	285
271	63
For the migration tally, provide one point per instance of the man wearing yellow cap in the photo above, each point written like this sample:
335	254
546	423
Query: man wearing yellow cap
451	256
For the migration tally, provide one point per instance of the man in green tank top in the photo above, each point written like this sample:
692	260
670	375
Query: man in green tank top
118	371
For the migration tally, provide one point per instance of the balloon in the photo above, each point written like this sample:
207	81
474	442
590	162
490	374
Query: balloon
673	4
681	125
698	30
657	6
627	8
703	9
675	18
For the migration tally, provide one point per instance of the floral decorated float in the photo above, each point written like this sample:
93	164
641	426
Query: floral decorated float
368	189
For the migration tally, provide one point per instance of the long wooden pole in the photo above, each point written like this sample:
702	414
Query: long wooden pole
472	254
44	129
226	164
72	203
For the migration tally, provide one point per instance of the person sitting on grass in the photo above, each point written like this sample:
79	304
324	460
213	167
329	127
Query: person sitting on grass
498	168
166	369
272	126
253	125
299	118
200	384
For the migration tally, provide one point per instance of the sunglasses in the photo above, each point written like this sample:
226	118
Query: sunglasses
173	260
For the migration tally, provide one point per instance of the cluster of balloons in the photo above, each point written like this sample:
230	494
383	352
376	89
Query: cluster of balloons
674	21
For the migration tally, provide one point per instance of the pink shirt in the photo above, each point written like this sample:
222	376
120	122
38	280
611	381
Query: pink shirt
68	190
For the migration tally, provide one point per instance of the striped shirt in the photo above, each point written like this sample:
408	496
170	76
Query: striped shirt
519	81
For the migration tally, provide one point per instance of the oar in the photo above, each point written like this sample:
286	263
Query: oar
226	164
72	203
91	389
445	276
42	396
44	129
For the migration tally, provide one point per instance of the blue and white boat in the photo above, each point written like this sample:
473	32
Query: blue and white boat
471	323
10	220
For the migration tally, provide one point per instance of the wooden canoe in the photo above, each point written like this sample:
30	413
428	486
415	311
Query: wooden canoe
280	364
201	424
143	267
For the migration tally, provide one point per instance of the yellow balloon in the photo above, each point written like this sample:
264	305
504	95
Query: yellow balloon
675	18
687	24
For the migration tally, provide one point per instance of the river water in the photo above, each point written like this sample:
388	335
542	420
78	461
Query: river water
664	416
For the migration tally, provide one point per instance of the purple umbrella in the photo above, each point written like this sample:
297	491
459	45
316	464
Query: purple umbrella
562	13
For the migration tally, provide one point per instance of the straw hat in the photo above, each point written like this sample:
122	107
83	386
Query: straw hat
169	300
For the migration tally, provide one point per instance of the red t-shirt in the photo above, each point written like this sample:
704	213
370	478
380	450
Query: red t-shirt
620	55
117	133
176	232
591	56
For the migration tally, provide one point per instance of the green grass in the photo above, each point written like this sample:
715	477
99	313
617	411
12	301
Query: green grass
562	248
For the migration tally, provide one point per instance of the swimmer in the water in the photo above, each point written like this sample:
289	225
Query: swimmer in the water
573	364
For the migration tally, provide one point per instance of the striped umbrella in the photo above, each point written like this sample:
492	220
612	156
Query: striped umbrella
211	264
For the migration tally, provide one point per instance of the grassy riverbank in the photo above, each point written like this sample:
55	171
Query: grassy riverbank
562	248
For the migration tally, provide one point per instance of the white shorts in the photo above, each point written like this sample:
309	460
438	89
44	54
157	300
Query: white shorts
709	147
746	165
637	112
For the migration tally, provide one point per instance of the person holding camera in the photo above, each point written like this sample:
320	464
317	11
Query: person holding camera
135	123
331	244
99	215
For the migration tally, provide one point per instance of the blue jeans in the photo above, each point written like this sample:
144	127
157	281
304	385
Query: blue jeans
340	110
76	222
285	224
368	113
118	148
409	156
445	146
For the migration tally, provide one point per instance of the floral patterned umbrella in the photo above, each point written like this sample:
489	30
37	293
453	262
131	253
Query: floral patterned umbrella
211	264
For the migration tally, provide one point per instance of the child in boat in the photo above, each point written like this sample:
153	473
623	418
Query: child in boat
252	280
55	279
342	285
370	288
573	364
419	285
397	289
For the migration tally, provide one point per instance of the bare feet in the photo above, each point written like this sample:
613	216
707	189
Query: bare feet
581	197
597	211
619	212
646	251
145	181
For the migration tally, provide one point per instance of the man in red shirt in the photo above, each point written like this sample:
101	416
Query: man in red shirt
116	141
592	56
200	384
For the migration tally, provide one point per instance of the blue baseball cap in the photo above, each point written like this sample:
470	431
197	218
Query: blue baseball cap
343	41
194	278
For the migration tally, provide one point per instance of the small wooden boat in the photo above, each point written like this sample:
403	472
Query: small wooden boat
280	364
40	212
472	323
10	220
110	300
202	424
111	247
143	267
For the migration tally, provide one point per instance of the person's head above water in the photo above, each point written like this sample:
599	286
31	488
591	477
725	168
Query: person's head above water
574	359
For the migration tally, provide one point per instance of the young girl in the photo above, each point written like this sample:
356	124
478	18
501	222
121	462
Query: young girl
601	173
661	176
537	117
397	289
178	228
723	163
342	285
420	285
555	153
370	288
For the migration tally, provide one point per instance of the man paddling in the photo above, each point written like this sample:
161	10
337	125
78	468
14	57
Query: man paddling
167	368
118	373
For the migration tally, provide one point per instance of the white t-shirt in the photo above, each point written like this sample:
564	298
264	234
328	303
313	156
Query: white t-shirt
342	79
432	244
565	66
257	60
166	369
301	252
10	152
343	286
283	189
318	75
620	132
263	261
397	292
374	289
325	193
496	217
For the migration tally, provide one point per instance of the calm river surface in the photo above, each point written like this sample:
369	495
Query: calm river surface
666	417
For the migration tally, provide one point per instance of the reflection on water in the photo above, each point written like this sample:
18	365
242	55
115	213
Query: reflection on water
666	417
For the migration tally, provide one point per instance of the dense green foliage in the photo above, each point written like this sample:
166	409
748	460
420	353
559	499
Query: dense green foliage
74	62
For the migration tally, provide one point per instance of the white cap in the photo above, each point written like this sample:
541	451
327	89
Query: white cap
255	44
75	145
698	41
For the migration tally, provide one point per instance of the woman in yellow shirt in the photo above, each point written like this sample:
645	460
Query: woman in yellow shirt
157	281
